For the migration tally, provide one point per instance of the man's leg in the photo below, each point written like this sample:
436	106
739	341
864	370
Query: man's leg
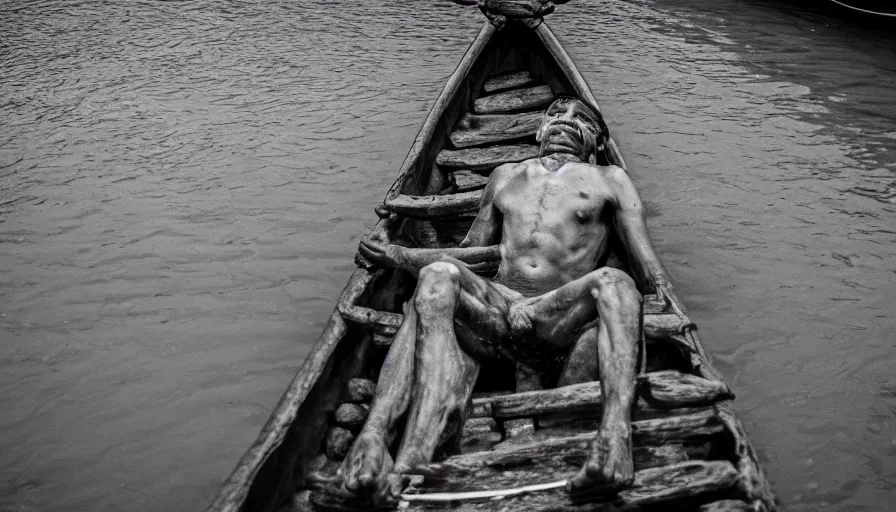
446	370
427	370
369	460
555	316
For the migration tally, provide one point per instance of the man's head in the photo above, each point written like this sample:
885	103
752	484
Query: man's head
572	126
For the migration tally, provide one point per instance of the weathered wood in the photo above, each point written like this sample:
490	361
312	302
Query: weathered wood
479	434
669	389
339	441
484	160
682	480
469	180
518	8
424	207
665	325
727	506
551	455
519	427
652	486
659	431
504	81
515	100
750	477
663	389
479	130
360	390
351	416
385	322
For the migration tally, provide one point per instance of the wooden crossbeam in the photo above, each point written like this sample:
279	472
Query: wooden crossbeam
504	81
514	100
547	456
479	130
484	160
427	207
665	390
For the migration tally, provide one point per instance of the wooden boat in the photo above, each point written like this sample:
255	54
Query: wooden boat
691	452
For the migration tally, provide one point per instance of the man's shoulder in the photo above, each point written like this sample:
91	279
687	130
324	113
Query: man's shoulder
510	169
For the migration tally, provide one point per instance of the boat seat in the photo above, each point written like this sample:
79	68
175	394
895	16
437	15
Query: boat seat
484	160
479	130
514	100
504	81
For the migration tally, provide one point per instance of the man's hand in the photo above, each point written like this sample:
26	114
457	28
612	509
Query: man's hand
663	289
382	254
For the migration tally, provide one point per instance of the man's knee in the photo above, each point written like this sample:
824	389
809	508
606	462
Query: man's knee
612	283
437	287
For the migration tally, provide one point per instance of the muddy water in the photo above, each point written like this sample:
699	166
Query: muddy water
182	186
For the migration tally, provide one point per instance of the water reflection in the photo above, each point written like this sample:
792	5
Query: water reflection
182	186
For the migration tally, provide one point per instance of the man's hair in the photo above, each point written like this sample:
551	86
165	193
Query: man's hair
599	145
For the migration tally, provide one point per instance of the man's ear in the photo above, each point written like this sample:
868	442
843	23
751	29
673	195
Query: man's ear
592	159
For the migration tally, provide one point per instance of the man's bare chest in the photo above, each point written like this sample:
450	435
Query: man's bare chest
572	195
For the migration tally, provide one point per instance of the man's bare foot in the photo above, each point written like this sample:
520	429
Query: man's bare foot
366	465
363	482
609	468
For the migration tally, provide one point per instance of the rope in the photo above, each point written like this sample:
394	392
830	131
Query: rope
866	11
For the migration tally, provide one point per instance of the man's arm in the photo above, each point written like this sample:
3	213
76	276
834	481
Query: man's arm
632	230
477	249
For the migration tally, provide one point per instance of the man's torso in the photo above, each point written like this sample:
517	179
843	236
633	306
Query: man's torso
556	225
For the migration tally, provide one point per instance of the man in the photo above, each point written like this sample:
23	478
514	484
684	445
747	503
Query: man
552	218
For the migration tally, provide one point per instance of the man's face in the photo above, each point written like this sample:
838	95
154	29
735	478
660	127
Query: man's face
569	122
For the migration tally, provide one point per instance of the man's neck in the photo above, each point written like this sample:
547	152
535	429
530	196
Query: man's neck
555	160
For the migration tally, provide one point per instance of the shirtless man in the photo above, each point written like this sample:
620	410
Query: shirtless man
551	217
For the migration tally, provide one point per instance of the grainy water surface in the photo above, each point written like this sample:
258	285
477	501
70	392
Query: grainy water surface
183	185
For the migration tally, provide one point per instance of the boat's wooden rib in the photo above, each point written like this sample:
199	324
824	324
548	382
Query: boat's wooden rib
512	80
518	441
479	130
514	100
484	160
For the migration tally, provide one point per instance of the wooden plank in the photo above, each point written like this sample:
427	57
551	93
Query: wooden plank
548	456
664	389
504	81
469	180
515	100
653	486
427	207
484	160
479	130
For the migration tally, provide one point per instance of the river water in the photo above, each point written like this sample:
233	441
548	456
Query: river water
183	184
